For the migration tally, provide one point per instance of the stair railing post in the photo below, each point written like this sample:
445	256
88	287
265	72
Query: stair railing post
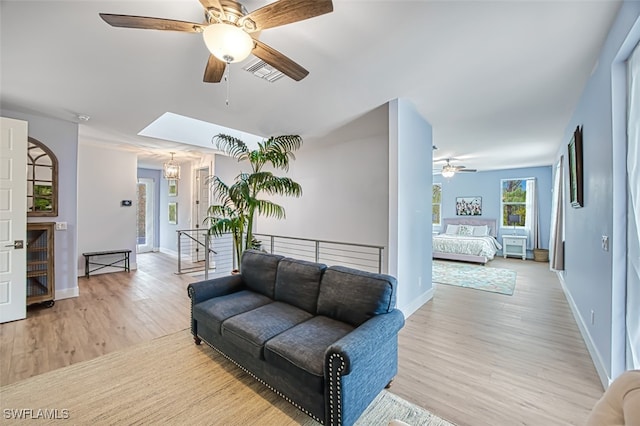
179	256
207	242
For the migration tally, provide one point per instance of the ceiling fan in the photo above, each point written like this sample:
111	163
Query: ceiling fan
231	34
448	170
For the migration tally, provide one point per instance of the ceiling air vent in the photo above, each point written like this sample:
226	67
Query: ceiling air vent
262	70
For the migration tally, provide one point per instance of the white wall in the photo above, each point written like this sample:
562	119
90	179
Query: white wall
106	176
410	182
344	179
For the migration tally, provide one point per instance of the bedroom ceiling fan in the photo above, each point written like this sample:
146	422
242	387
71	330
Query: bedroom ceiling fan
231	34
448	170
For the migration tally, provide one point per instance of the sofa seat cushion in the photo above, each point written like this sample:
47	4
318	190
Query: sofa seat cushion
250	330
301	349
219	309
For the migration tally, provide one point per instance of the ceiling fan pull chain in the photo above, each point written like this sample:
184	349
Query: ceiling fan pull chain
228	82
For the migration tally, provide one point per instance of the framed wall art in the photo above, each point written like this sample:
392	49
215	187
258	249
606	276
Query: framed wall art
575	169
173	187
173	213
469	206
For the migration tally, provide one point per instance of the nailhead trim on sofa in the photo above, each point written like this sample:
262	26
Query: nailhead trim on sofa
265	383
334	383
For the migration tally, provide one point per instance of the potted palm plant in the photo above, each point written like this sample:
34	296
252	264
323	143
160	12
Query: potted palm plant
239	203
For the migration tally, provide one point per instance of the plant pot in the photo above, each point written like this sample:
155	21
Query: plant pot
541	255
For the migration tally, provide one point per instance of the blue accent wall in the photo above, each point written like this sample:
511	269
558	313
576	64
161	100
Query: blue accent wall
61	137
487	186
591	275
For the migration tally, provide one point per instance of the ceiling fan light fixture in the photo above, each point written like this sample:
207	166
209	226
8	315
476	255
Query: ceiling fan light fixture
448	171
227	42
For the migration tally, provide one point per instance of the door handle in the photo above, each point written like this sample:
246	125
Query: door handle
18	244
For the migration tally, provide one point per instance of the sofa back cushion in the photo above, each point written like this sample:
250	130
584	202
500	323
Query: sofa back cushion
298	283
258	271
354	296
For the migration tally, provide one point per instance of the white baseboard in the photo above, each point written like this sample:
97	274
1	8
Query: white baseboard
67	293
168	251
586	336
409	309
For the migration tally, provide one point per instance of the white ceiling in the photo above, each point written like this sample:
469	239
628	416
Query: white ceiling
498	80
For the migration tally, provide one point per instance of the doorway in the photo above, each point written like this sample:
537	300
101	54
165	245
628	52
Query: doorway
201	200
145	215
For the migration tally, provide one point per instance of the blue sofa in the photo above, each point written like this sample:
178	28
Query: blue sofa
325	339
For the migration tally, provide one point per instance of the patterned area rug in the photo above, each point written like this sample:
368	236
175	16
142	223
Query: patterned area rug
496	280
171	381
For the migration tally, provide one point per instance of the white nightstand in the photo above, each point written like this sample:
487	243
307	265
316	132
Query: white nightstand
514	245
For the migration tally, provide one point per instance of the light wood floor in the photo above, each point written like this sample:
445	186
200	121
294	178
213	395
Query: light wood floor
471	357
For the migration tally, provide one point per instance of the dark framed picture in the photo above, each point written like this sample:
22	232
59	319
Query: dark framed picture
469	206
575	169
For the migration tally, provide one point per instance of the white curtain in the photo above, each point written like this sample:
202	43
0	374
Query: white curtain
532	219
633	212
556	241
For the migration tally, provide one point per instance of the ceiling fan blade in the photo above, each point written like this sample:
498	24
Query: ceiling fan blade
214	71
285	12
466	170
279	61
148	23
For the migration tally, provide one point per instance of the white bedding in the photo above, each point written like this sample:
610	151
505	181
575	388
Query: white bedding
458	244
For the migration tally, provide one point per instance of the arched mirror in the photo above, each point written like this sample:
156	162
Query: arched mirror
42	180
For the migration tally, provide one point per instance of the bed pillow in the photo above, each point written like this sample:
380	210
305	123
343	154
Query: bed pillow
466	230
480	231
452	230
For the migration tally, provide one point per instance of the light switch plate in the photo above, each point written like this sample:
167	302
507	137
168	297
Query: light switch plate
61	226
605	243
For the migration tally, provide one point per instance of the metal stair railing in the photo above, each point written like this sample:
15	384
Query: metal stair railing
365	257
197	251
192	244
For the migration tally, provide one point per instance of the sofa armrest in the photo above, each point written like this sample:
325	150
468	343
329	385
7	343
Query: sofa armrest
365	339
204	290
358	366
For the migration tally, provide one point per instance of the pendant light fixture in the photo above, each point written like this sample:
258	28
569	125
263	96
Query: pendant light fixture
171	169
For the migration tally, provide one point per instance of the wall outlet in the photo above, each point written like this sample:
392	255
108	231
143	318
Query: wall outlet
61	226
593	317
419	282
605	243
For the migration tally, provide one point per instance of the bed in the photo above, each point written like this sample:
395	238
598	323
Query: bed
466	239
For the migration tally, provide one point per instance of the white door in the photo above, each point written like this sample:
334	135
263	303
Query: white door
145	215
13	219
201	199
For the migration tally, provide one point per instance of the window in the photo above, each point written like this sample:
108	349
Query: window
514	202
436	200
